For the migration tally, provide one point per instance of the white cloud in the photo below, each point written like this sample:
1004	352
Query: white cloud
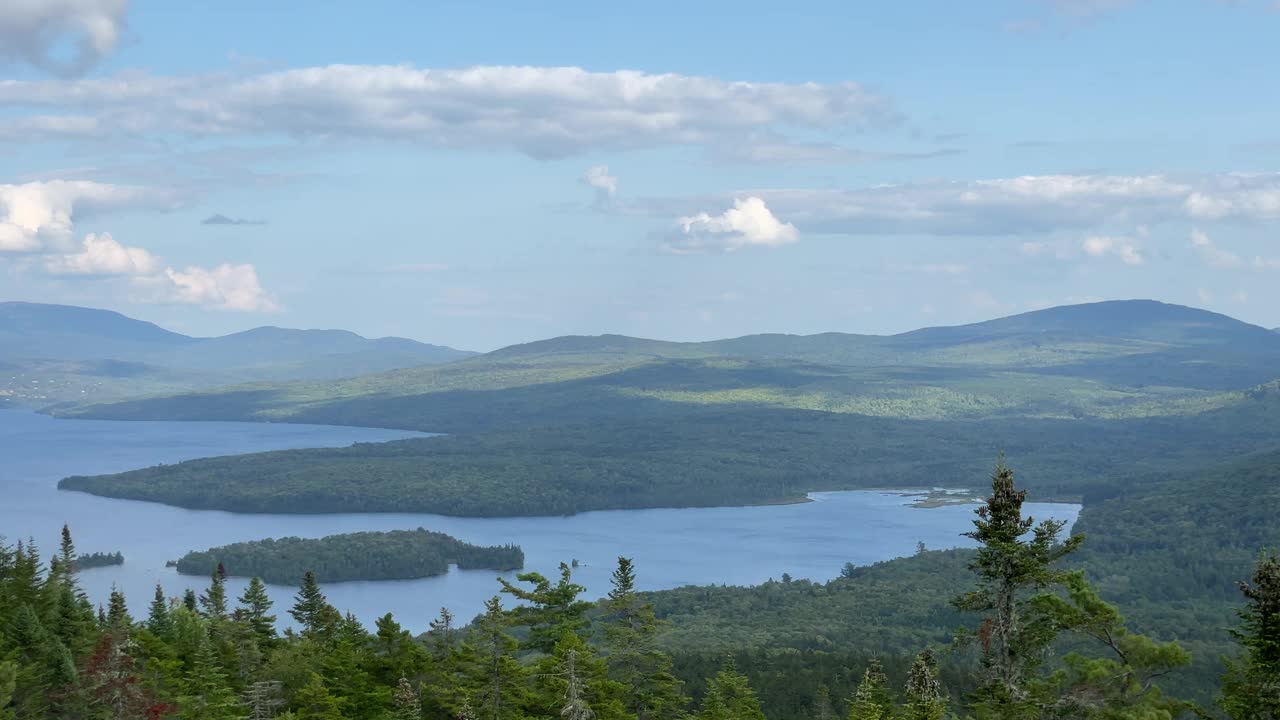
541	111
1005	206
1121	247
102	255
598	177
749	223
38	216
225	287
1211	253
32	31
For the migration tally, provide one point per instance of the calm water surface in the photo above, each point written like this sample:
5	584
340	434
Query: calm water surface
734	546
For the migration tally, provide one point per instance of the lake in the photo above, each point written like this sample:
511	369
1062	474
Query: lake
671	547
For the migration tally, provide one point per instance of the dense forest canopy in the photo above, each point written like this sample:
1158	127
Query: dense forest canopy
1043	643
391	555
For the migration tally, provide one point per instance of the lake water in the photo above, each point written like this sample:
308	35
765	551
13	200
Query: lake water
671	547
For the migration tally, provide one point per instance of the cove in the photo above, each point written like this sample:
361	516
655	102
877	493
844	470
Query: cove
671	547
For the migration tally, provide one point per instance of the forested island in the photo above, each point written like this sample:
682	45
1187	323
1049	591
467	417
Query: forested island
1038	641
392	555
85	561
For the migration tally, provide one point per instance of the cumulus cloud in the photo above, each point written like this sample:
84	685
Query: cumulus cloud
220	219
1001	206
102	255
749	223
225	287
37	216
1237	196
606	185
32	31
1211	253
541	111
1121	247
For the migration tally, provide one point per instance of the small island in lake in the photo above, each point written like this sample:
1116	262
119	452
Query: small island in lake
98	559
393	555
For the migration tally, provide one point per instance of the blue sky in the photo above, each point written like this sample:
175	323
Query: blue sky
479	174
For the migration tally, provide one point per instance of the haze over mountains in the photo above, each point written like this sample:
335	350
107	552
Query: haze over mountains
60	352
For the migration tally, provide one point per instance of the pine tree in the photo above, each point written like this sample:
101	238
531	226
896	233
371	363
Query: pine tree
1251	687
652	691
551	609
214	600
1014	575
256	605
441	634
730	697
158	621
923	692
189	600
405	701
1121	683
872	701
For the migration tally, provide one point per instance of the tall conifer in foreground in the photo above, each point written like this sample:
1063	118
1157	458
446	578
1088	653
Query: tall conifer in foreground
1251	687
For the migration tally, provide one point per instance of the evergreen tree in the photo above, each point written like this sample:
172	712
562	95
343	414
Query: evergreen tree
1014	575
256	605
1251	687
405	701
730	697
118	620
924	693
573	682
8	684
311	609
158	621
206	694
497	678
189	600
872	701
822	708
551	609
314	701
214	600
652	691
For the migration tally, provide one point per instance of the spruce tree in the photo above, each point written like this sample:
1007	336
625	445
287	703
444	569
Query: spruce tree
256	605
923	693
631	630
730	697
118	620
497	678
205	691
311	609
214	600
1014	574
405	702
189	600
872	701
158	621
1251	687
314	701
551	609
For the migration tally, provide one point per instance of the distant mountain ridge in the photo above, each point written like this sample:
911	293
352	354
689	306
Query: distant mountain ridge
62	349
1130	326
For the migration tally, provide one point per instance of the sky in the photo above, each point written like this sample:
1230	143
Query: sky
482	174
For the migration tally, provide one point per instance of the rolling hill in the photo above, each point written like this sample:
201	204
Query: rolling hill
58	353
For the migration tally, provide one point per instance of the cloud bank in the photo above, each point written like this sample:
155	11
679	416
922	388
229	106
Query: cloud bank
544	112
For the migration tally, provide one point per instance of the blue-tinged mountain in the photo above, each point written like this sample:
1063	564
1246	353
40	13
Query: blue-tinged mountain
58	353
1106	360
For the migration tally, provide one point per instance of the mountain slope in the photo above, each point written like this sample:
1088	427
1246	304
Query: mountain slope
58	353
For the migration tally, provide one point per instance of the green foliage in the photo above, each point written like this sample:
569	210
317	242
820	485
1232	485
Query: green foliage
393	555
923	694
550	610
872	701
1251	687
730	697
85	561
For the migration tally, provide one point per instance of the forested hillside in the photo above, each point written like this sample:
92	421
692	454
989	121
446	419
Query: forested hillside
393	555
877	643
